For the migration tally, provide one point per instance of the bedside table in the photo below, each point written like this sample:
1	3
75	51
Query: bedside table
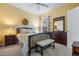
75	48
10	39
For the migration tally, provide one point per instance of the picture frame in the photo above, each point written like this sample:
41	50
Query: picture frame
25	22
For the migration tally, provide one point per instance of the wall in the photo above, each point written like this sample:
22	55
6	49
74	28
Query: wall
62	11
13	16
72	26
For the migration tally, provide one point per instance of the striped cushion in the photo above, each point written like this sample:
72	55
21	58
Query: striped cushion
45	42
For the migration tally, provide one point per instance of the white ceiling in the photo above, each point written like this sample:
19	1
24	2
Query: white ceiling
31	7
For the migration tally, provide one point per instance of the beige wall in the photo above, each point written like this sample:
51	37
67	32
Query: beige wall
62	11
10	15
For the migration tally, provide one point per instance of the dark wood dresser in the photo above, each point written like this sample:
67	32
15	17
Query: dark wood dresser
60	37
10	39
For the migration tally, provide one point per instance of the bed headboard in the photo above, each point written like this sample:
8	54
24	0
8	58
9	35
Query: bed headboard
18	29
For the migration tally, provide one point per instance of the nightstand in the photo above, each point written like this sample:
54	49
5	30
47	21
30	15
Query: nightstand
10	39
75	48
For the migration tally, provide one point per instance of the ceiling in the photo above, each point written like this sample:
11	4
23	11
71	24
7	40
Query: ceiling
31	7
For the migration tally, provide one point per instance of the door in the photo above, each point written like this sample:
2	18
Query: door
72	26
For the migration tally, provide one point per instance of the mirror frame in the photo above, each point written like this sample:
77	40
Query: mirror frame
59	19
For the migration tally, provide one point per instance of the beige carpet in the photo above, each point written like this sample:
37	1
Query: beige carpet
60	50
14	50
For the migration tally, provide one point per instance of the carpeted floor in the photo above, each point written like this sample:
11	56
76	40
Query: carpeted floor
14	50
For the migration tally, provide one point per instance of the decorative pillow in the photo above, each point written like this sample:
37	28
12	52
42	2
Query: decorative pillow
23	31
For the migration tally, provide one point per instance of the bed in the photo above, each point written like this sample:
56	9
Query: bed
22	35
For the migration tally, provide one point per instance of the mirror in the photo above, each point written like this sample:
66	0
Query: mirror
59	23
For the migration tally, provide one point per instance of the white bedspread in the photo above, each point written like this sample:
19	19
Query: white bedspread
23	38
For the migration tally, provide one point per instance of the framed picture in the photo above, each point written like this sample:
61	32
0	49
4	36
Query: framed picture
25	22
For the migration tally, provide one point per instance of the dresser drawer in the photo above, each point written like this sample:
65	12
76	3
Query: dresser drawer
10	39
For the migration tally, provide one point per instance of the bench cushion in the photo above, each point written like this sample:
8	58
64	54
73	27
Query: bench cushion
45	42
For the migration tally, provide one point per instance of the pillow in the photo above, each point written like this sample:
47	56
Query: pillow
23	31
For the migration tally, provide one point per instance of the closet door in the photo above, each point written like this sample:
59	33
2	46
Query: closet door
72	26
